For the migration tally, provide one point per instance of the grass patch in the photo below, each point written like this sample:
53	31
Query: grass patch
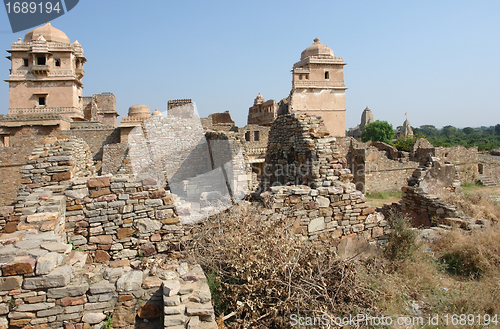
383	195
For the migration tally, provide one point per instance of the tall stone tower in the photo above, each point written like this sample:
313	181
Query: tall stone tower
318	86
46	74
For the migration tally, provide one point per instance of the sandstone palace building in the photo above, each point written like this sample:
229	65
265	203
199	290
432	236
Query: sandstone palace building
317	89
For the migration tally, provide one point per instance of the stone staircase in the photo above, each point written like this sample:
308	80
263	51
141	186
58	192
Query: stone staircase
486	180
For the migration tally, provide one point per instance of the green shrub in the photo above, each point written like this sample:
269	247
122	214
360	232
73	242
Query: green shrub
460	263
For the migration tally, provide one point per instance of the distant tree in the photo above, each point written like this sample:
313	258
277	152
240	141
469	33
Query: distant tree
449	131
468	130
428	130
378	131
497	129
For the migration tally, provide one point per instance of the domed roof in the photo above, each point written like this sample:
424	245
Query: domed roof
258	100
156	112
50	33
138	110
316	49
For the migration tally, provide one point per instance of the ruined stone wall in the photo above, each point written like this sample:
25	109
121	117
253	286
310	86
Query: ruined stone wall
425	209
116	218
465	159
218	122
299	152
54	164
114	157
47	282
328	213
96	137
491	167
344	143
383	174
22	141
171	146
421	150
374	172
44	280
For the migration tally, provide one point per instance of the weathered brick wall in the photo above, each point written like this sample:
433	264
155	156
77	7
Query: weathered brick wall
425	209
491	167
171	146
114	157
465	159
95	137
116	219
54	164
327	212
374	172
22	142
383	174
299	152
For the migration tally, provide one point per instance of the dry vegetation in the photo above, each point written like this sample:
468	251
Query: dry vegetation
260	273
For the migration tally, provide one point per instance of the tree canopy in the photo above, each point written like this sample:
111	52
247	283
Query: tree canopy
485	138
378	131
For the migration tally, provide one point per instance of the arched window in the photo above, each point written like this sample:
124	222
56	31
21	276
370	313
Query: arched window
327	75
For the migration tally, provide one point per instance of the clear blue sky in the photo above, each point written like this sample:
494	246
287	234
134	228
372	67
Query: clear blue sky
439	61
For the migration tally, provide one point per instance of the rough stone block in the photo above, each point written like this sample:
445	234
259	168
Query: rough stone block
68	291
19	265
171	301
46	216
59	277
34	307
322	202
99	182
101	256
316	224
66	175
129	281
124	232
171	287
170	310
56	247
146	225
93	318
199	309
47	262
10	283
101	192
102	287
174	320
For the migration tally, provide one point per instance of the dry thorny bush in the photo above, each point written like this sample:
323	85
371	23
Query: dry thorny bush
475	205
260	273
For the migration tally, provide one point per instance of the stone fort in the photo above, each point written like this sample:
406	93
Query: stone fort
66	175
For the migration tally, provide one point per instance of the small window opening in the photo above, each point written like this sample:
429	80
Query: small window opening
41	100
40	60
327	75
300	76
307	76
4	141
25	62
247	136
256	136
58	62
